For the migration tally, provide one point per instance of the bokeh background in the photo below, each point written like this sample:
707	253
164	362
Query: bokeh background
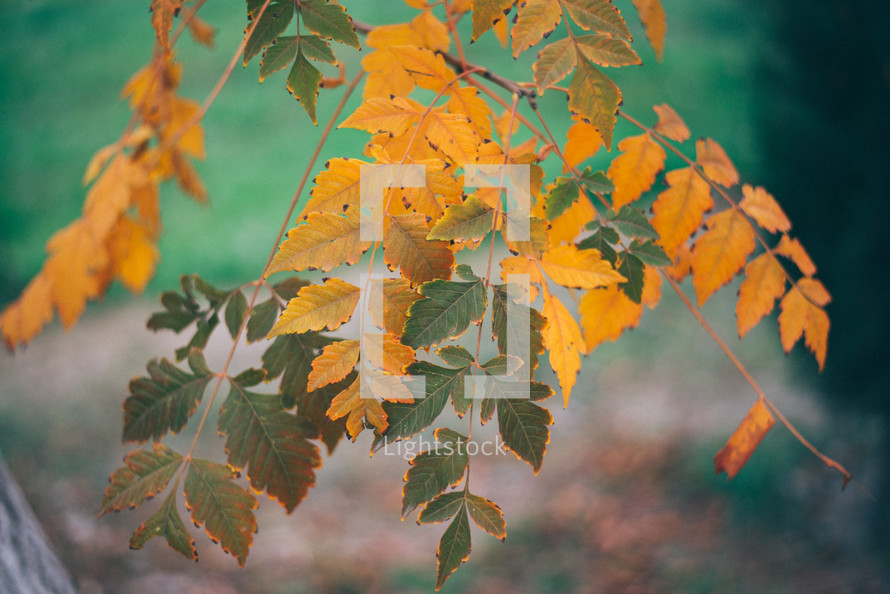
798	94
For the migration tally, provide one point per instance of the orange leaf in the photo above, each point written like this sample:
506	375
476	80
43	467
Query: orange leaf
720	252
678	211
655	22
801	316
333	364
764	283
563	338
606	314
324	241
763	208
318	306
406	247
74	269
336	188
162	13
23	319
397	299
582	142
633	172
751	431
793	250
486	13
651	287
110	195
466	100
682	264
133	254
566	227
716	164
433	34
349	402
426	68
815	291
584	269
670	125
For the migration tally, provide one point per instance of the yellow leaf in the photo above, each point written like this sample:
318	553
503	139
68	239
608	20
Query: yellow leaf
554	63
453	136
110	195
793	250
534	20
201	32
324	241
764	283
486	13
758	204
584	269
592	96
563	339
720	252
187	178
523	265
678	211
802	314
393	115
385	352
397	298
333	364
317	307
466	100
655	22
816	334
349	402
651	287
384	36
162	13
606	314
336	188
386	77
432	33
23	319
500	30
682	264
814	291
98	162
582	142
566	227
74	269
716	164
744	440
633	171
426	68
191	141
670	124
406	247
133	254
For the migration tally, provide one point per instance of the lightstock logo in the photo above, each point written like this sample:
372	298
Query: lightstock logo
509	376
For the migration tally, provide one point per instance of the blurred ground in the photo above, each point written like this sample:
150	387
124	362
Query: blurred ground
626	500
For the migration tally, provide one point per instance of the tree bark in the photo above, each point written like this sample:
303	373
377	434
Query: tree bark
27	563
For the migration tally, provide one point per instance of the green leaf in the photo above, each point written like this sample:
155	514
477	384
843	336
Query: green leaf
597	15
406	420
144	475
523	426
304	81
595	182
486	410
487	516
456	356
432	472
292	355
278	55
447	311
236	311
554	63
633	223
595	98
506	328
215	296
312	410
274	21
633	269
601	241
329	21
162	402
180	313
441	508
267	441
288	288
166	522
222	506
262	318
454	547
649	252
560	197
316	48
465	222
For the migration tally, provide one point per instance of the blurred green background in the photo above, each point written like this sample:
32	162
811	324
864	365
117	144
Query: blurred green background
798	95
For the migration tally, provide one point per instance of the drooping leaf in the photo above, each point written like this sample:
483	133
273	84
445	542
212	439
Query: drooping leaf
165	400
446	313
560	196
168	523
279	55
720	252
563	339
432	472
262	319
633	171
582	142
426	68
594	98
802	314
222	506
21	321
392	115
486	13
597	15
554	63
606	314
324	241
274	21
350	404
487	515
535	19
268	443
655	22
329	21
236	311
511	330
454	547
442	508
742	443
794	251
333	364
397	299
670	124
632	268
764	283
145	474
133	253
523	427
406	247
303	82
318	306
759	204
678	211
712	158
73	269
162	13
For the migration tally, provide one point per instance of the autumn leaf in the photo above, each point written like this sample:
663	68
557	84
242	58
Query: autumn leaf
597	15
334	363
655	22
670	125
21	321
606	314
162	13
678	211
594	98
563	338
582	142
405	247
397	298
323	242
717	166
764	283
487	515
802	314
350	404
454	546
222	506
144	475
606	50
133	253
759	204
633	171
168	523
318	306
720	252
466	222
73	270
486	13
742	443
267	442
554	63
794	251
584	269
523	426
393	115
426	68
535	19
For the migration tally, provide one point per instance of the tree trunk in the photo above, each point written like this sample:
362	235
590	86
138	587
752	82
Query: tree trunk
27	563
